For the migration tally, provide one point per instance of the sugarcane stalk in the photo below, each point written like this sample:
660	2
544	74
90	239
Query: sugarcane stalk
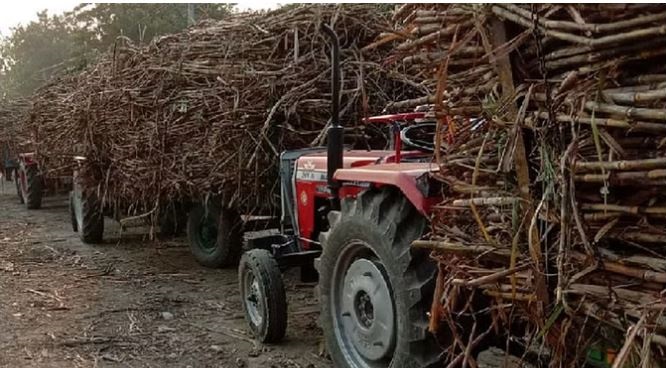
492	278
654	177
639	126
644	164
637	97
520	297
646	275
459	248
627	112
496	201
592	42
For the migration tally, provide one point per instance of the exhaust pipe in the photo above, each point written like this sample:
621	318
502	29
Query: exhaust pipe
335	131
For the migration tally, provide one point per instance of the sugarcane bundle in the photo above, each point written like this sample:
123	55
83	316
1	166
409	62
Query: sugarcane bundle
556	209
51	126
209	110
12	113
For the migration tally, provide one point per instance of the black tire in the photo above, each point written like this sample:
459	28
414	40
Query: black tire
263	295
215	236
89	216
173	220
31	186
17	182
72	212
367	259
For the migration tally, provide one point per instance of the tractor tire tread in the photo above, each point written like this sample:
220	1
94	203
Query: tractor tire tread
390	216
263	264
92	220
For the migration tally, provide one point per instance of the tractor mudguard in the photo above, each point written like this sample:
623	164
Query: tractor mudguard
411	178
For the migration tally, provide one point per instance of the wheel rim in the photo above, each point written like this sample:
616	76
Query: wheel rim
207	234
253	300
362	307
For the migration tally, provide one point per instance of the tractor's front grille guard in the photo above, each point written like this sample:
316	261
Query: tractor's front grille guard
289	217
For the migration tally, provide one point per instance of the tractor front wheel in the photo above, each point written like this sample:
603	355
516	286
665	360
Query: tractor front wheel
215	235
375	290
263	295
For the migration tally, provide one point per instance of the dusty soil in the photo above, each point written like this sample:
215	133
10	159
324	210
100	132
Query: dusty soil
130	302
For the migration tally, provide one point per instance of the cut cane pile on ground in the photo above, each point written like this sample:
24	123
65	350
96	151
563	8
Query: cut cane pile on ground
554	208
550	143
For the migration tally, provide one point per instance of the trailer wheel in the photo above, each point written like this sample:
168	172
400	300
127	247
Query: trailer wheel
19	192
215	235
263	295
89	216
31	186
375	290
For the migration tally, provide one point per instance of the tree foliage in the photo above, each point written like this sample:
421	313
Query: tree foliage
68	42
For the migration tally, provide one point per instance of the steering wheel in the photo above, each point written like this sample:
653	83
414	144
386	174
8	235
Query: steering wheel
420	136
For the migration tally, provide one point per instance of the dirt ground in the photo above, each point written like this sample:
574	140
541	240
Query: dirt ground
129	302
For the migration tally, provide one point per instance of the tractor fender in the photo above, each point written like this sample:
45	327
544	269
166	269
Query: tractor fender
412	179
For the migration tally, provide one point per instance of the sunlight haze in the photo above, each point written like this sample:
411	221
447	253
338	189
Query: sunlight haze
22	12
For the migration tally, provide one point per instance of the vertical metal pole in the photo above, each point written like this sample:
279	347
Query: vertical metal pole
191	17
335	131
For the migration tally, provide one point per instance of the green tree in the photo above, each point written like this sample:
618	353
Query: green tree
141	22
67	43
36	51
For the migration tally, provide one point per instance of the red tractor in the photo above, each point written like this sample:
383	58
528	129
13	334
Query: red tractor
31	184
353	215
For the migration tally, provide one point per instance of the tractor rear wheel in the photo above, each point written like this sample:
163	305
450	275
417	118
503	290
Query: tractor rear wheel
215	235
88	215
263	295
31	186
375	290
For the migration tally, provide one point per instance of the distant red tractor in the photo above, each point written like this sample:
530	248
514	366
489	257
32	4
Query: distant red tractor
32	185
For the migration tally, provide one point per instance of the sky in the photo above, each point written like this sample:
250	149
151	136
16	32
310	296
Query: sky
22	11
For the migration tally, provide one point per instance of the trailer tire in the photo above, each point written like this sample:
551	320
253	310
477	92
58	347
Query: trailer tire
263	295
375	291
31	186
215	235
89	217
